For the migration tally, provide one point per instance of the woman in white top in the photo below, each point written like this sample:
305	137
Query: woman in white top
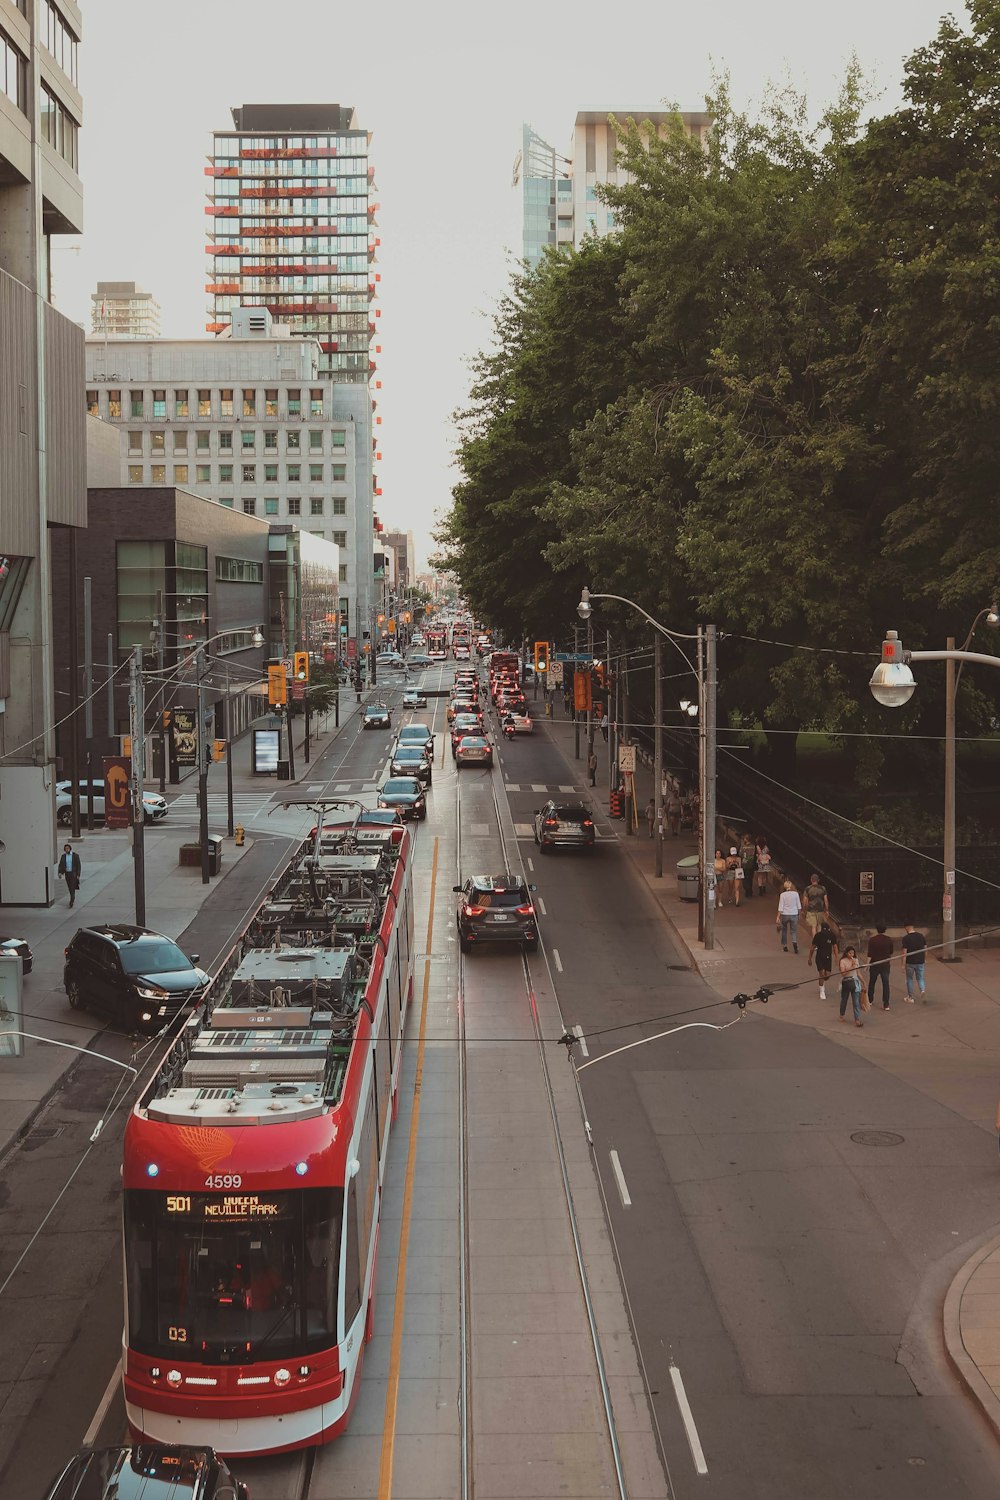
787	922
850	984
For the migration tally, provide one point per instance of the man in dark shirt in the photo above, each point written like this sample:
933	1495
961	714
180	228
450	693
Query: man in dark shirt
915	947
879	954
823	952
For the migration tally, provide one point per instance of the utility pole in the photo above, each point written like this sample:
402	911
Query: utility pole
658	752
137	717
88	699
111	689
161	662
230	822
949	918
612	716
74	689
708	803
576	668
202	772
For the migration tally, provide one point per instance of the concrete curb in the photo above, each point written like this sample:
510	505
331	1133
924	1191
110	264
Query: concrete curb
958	1356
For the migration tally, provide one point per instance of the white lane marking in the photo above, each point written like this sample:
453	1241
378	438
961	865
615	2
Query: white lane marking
566	789
623	1193
531	865
90	1436
556	959
538	788
578	1033
512	786
541	907
687	1417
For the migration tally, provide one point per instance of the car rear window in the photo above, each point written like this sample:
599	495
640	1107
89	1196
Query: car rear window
572	814
474	740
501	898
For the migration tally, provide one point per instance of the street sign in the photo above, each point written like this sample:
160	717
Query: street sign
287	663
117	808
866	880
556	673
352	648
626	758
580	657
298	691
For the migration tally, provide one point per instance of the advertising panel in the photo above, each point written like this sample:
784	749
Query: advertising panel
266	748
117	802
185	737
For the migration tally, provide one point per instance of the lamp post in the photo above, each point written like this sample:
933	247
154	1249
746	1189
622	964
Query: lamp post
705	674
893	684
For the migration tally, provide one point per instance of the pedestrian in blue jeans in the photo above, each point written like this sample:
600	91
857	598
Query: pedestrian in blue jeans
787	922
914	945
851	987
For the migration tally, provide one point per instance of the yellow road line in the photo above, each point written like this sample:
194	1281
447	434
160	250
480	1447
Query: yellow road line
396	1346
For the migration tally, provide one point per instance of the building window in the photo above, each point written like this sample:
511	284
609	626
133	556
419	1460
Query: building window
339	439
114	406
181	404
249	507
248	440
249	402
270	441
270	507
226	402
292	442
58	128
180	442
316	442
225	473
203	442
294	403
13	74
294	506
93	404
238	569
227	501
293	473
159	405
270	403
339	473
316	402
135	473
342	573
58	39
134	441
340	537
180	473
204	403
270	473
137	406
158	474
157	442
225	442
315	473
249	473
316	505
339	503
203	473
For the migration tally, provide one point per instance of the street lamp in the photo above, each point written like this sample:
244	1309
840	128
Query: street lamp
893	684
705	674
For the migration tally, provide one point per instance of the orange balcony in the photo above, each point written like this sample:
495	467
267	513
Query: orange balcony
224	250
281	189
268	153
217	287
215	327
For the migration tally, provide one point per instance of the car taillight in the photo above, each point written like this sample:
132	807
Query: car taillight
588	822
526	911
551	822
473	911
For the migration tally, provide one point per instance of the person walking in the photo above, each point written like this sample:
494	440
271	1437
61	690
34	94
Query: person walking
851	987
914	945
789	906
762	859
734	874
651	815
816	903
720	878
674	810
70	868
879	954
823	952
592	767
604	727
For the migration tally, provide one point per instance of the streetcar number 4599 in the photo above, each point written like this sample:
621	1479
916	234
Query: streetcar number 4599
229	1180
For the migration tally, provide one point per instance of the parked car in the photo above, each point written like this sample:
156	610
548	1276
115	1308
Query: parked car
411	760
414	698
564	823
147	1471
496	909
416	733
376	716
154	807
406	795
21	948
473	749
136	976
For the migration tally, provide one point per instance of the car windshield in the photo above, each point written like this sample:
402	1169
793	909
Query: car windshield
152	956
401	786
409	753
414	732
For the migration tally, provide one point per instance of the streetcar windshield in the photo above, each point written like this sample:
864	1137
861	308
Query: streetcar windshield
232	1278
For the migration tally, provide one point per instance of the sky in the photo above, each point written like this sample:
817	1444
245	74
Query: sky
444	88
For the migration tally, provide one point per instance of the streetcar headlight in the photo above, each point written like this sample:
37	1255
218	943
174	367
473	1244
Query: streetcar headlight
303	1371
152	1170
173	1377
155	1372
282	1377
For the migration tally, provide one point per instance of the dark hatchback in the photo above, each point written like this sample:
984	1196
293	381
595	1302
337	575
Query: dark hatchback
147	1471
410	760
496	909
568	824
405	794
139	978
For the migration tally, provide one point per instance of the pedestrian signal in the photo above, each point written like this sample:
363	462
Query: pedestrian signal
301	666
166	719
218	750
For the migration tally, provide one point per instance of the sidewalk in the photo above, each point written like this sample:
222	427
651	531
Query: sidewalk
948	1046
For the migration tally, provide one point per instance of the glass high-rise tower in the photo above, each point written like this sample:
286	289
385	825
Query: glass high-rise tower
293	228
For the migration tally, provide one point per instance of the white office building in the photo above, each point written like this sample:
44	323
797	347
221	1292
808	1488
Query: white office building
246	420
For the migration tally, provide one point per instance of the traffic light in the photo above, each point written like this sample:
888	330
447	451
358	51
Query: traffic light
300	666
277	685
541	656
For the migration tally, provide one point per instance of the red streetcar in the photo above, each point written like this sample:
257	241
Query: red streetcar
254	1162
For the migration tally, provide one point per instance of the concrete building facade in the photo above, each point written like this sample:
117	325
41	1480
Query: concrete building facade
42	428
123	310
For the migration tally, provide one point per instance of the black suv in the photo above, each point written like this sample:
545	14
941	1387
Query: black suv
147	1471
496	909
139	978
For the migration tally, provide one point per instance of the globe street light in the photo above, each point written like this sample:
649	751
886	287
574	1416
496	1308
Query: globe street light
893	684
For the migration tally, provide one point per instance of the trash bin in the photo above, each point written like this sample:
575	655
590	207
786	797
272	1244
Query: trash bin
688	878
214	853
283	772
